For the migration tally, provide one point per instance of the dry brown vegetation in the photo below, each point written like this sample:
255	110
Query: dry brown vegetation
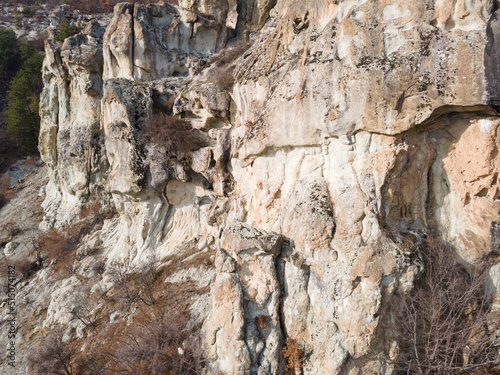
153	344
223	72
59	245
56	248
262	321
446	323
151	337
8	231
54	356
173	134
137	286
294	357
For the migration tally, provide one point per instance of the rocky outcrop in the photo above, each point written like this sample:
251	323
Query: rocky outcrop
246	338
217	9
71	143
353	130
253	14
158	41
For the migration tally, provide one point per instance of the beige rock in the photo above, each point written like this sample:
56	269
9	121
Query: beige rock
253	14
354	129
466	184
70	109
254	252
158	41
218	9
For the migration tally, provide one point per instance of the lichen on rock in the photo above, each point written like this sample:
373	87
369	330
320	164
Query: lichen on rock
345	133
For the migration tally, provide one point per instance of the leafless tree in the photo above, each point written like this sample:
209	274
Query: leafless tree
54	356
154	345
446	326
137	284
84	314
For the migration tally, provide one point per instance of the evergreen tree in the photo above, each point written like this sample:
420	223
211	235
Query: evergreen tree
65	30
8	50
23	120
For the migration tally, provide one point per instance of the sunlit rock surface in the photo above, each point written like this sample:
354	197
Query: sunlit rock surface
353	129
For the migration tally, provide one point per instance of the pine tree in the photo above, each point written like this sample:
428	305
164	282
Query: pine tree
23	120
65	30
8	50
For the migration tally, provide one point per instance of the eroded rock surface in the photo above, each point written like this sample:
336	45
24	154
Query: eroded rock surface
354	128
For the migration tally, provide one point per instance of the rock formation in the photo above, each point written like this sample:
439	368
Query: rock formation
348	129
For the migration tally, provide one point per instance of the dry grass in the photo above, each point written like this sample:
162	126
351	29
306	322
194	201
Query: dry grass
151	339
57	247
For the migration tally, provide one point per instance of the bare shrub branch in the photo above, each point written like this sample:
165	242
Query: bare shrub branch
54	356
173	134
135	285
224	62
446	326
154	345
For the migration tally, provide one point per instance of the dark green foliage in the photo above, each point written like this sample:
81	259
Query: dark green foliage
26	49
23	120
17	21
8	49
26	11
65	30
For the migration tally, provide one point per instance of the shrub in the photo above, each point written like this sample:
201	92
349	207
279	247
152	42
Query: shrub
294	357
445	324
54	356
173	134
65	30
27	11
8	49
223	73
153	344
136	286
39	42
17	21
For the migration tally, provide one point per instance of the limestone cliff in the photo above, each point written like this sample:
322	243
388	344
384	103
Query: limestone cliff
322	136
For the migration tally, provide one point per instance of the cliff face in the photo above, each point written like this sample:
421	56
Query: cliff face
352	128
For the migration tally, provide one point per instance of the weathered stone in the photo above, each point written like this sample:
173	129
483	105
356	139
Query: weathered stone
217	9
252	14
354	130
70	108
158	41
